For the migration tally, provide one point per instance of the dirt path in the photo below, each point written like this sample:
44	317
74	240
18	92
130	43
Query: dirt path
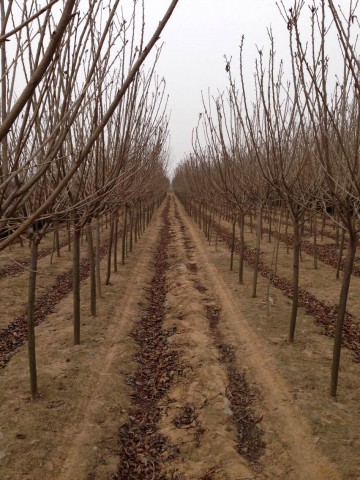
299	458
171	381
200	417
106	372
71	430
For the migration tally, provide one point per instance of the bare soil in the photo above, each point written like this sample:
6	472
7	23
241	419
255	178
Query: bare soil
220	391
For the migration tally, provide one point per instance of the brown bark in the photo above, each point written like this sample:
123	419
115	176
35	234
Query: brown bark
41	69
131	230
340	253
257	253
91	253
31	316
350	257
242	248
57	240
232	246
296	268
286	231
111	239
69	235
76	283
270	225
97	258
116	232
315	244
124	237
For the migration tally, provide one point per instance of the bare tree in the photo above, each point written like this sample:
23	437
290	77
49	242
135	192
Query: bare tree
335	121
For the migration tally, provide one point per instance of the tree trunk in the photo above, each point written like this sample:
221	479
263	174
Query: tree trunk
139	222
286	231
76	283
205	220
52	250
296	266
270	226
97	258
136	226
68	227
232	247
124	236
337	237
340	254
143	219
301	233
211	227
116	232
242	248
4	165
257	253
315	244
31	316
57	241
92	270
131	230
340	317
111	236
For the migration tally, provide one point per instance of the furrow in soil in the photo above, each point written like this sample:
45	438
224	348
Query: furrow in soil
288	435
324	314
143	449
188	416
15	334
239	396
18	265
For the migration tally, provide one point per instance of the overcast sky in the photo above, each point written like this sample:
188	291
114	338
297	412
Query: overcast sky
197	37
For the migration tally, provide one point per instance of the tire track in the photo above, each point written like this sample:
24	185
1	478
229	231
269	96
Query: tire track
199	419
293	455
240	395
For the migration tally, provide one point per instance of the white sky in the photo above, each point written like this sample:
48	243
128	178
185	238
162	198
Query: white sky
196	38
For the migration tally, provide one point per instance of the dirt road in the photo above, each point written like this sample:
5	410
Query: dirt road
290	451
171	382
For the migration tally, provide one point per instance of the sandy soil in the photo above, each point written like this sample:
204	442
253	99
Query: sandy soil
14	287
71	431
320	282
306	364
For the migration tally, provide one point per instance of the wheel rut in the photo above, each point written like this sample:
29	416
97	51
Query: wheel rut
239	394
192	412
290	452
